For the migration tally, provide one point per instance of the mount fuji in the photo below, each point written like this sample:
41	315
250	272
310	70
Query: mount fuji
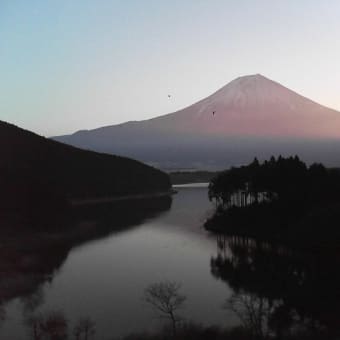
250	116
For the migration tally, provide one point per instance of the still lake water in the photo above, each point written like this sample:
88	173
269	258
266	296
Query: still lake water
105	278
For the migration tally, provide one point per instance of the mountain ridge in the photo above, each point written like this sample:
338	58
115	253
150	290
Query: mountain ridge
247	107
254	77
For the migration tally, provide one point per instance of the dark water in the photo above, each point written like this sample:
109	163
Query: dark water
113	252
105	278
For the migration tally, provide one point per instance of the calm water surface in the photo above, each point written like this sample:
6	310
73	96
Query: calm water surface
105	278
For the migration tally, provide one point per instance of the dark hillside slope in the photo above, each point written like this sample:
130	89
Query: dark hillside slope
32	166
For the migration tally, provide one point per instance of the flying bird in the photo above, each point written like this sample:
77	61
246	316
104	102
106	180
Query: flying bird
214	112
169	96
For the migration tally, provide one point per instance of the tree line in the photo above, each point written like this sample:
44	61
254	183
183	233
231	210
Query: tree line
281	199
283	180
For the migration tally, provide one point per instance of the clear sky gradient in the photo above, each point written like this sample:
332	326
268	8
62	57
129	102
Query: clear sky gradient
67	65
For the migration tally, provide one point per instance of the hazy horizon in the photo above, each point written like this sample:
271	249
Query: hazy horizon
81	65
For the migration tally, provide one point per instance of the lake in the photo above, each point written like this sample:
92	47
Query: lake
104	278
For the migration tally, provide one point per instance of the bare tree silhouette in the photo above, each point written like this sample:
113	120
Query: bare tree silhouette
85	329
253	311
165	298
51	326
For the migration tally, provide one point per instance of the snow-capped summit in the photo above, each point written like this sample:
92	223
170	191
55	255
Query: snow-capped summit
255	106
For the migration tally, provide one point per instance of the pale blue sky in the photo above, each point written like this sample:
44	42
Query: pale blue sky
73	64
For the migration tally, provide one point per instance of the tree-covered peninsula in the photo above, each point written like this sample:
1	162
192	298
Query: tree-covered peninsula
279	199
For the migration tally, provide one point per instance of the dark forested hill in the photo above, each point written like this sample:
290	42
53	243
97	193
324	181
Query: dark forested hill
35	168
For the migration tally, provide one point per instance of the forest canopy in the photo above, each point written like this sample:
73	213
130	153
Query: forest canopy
281	199
40	175
284	180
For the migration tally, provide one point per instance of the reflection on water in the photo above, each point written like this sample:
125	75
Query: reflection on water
30	260
99	272
99	269
279	291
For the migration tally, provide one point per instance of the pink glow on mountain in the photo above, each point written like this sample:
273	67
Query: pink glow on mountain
253	106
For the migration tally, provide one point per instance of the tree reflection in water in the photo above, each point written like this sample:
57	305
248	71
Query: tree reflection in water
30	257
280	292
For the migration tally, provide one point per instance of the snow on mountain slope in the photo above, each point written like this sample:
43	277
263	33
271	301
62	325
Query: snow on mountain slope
254	106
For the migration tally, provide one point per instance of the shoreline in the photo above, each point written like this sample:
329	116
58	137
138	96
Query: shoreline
86	201
191	185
